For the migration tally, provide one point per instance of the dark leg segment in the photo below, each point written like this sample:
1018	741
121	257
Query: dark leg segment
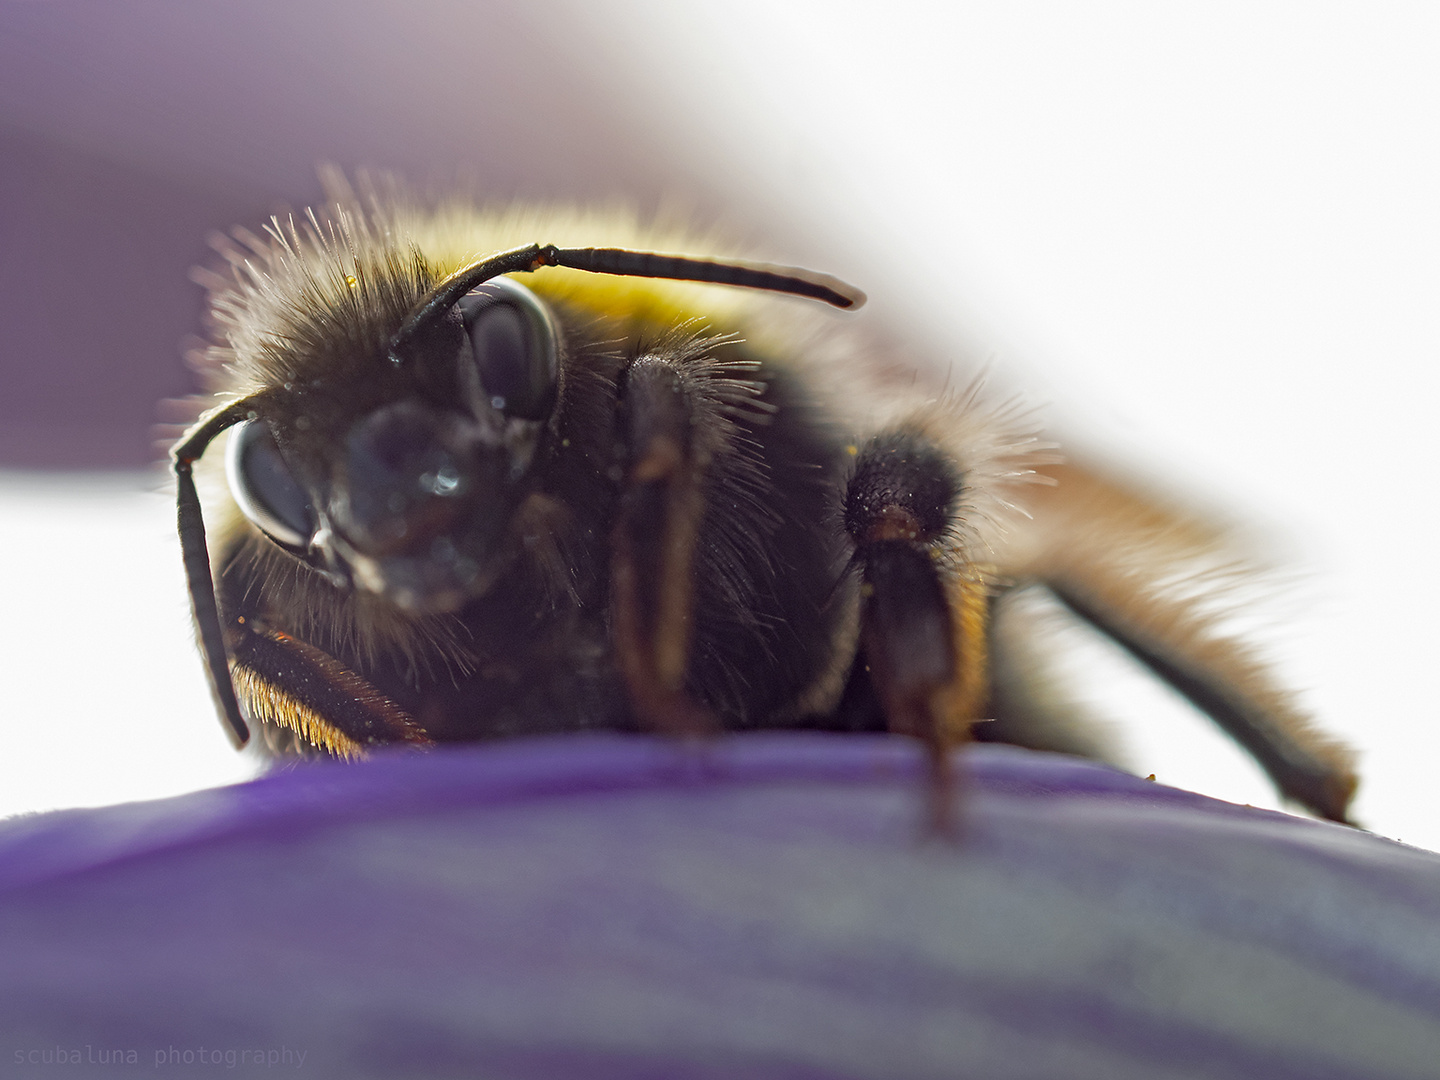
1310	778
1121	558
292	685
908	635
652	570
923	613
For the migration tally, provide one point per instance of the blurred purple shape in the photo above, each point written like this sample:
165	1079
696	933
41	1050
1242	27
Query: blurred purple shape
764	906
130	130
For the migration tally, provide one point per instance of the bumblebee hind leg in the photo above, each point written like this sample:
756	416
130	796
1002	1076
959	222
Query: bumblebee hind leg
1160	581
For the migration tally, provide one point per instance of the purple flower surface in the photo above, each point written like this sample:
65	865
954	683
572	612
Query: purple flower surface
762	906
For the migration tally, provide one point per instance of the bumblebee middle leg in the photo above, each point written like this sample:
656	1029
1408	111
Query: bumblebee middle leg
923	616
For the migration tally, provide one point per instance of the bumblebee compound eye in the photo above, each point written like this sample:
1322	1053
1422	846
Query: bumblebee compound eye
265	489
515	345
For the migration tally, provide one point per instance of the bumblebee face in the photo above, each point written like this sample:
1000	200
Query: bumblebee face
404	490
468	512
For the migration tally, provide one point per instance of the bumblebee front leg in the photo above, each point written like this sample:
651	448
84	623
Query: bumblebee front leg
923	617
289	686
652	572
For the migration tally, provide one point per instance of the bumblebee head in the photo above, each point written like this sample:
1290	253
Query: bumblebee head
401	481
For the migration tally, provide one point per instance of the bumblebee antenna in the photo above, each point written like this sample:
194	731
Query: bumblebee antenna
197	560
748	275
623	262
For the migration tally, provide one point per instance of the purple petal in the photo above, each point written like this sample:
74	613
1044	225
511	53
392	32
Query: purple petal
765	906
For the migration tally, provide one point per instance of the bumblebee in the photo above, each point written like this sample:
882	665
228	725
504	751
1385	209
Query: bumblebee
472	495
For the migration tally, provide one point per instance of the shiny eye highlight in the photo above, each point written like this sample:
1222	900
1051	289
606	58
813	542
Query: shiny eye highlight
265	489
515	345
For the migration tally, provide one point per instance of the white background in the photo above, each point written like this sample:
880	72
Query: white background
1204	238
